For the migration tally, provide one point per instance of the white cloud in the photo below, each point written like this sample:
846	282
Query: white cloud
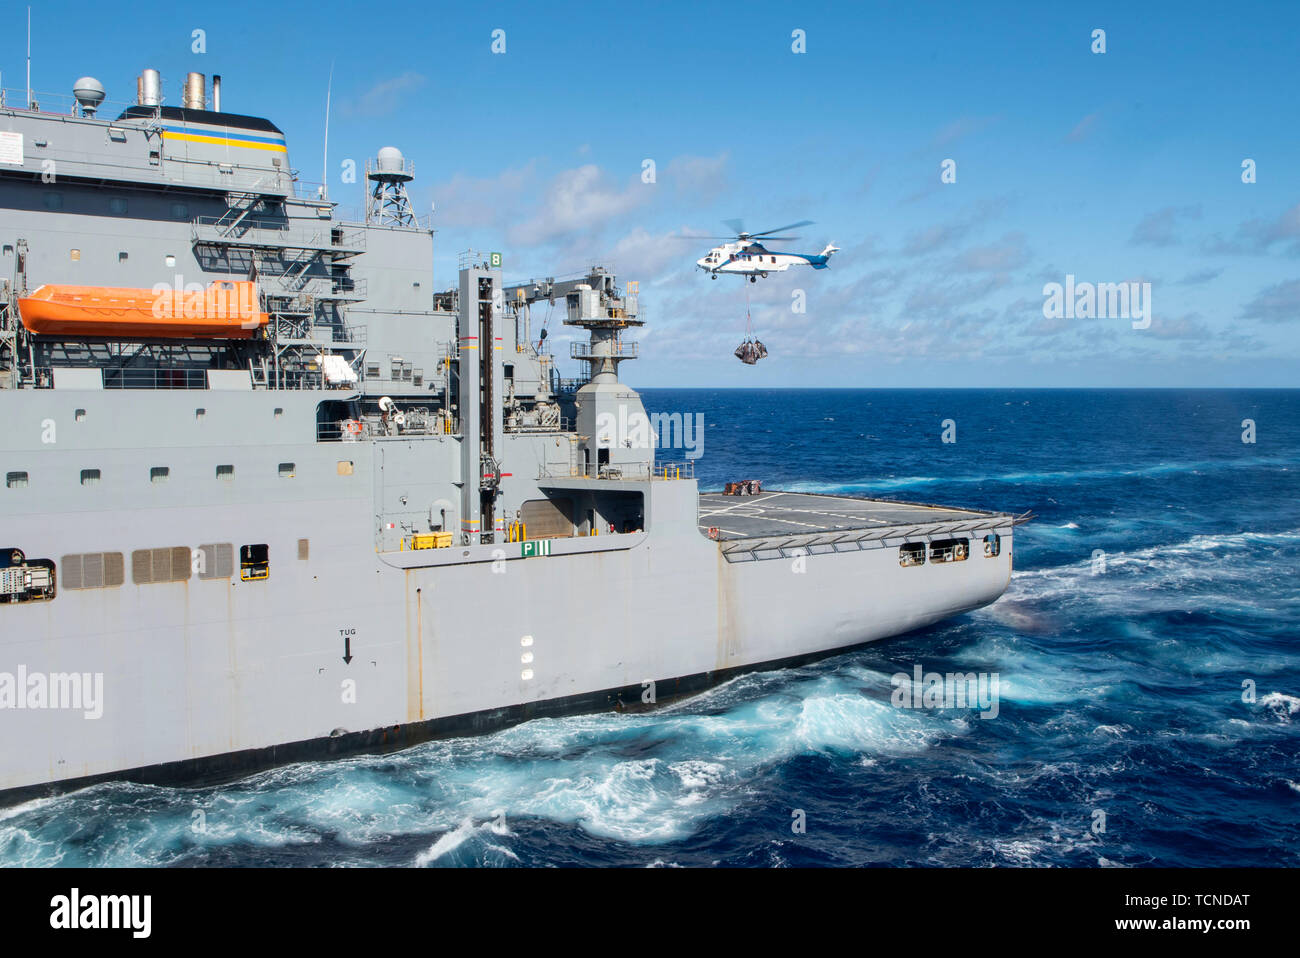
385	95
579	199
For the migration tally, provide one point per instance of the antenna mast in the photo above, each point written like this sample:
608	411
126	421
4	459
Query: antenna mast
29	59
325	168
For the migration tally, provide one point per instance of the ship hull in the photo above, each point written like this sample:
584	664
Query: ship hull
348	646
255	688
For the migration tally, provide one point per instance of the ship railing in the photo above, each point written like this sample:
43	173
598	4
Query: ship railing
560	384
347	288
617	350
627	471
357	430
276	234
15	98
128	377
307	190
561	425
133	378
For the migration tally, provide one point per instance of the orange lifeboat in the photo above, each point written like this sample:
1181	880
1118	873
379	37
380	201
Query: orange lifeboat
225	310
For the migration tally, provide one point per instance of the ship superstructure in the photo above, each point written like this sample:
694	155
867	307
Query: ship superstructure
277	496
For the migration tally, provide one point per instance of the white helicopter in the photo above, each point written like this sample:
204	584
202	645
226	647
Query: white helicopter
745	255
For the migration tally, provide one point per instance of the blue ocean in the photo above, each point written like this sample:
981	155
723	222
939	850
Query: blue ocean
1146	649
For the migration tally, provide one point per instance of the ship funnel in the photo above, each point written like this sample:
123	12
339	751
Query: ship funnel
216	93
195	95
89	93
149	88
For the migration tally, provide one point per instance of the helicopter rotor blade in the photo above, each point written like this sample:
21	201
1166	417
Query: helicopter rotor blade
737	225
788	226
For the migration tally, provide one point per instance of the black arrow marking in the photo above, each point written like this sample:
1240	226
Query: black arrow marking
347	649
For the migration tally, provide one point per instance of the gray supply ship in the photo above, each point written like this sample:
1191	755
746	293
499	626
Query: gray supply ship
270	495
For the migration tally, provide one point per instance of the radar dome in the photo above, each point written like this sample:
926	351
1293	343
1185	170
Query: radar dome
391	160
89	93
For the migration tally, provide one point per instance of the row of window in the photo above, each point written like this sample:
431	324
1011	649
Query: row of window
122	256
106	570
946	550
160	474
117	205
36	580
400	372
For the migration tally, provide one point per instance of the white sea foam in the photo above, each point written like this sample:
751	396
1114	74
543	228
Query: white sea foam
1020	478
1282	705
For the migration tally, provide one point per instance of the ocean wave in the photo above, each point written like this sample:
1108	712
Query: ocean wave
858	486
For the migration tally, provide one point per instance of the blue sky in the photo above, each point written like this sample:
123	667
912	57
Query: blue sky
1115	167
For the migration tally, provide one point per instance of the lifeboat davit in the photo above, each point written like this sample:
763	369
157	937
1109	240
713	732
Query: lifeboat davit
225	310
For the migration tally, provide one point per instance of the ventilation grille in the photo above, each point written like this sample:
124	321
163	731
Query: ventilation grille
93	570
160	565
217	561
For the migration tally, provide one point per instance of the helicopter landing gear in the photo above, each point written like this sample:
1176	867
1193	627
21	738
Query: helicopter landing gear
753	279
713	276
764	275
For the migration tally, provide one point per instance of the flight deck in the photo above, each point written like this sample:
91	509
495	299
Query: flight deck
770	523
782	513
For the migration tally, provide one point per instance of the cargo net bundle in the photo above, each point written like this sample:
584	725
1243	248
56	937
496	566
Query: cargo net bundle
751	350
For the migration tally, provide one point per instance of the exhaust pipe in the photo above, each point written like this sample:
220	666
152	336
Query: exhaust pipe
194	96
216	93
149	88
